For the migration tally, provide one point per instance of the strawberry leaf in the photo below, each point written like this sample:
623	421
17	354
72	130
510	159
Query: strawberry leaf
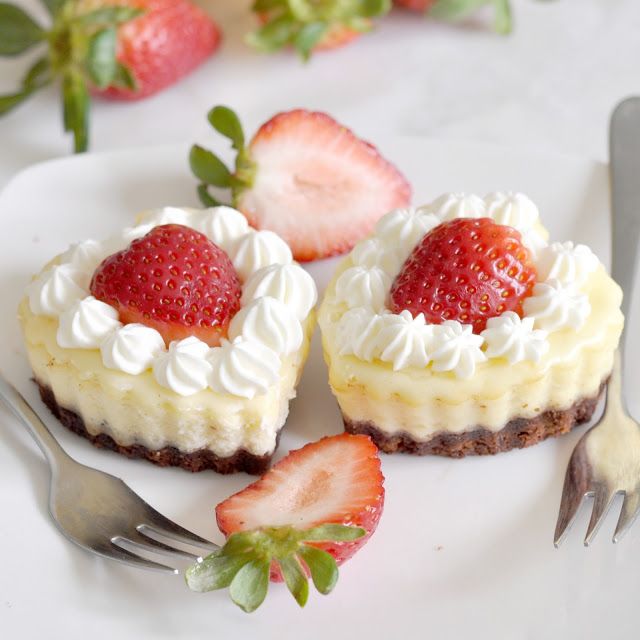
322	566
249	586
308	37
75	98
208	168
53	6
459	9
334	532
274	35
39	75
101	59
109	16
18	31
216	571
123	78
206	198
226	122
11	101
295	579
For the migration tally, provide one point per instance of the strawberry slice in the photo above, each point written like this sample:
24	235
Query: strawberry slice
173	279
312	511
306	177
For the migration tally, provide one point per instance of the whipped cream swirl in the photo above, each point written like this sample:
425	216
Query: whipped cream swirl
85	255
258	249
184	367
86	324
402	229
454	347
222	225
361	287
566	262
512	209
450	206
57	288
167	215
288	283
554	306
514	338
270	322
243	368
357	334
132	348
404	340
373	252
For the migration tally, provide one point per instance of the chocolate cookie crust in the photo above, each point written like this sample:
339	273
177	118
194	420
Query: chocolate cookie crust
199	460
517	433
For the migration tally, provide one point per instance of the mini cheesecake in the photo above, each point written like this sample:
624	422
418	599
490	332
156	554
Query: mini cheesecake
186	402
424	362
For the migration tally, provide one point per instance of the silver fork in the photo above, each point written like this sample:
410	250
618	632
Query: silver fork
98	511
606	460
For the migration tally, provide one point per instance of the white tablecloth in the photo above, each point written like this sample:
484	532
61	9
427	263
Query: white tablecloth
551	85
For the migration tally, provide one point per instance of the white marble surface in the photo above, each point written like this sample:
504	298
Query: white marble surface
549	86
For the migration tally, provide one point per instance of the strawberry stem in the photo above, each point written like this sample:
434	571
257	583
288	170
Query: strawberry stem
244	562
80	51
211	170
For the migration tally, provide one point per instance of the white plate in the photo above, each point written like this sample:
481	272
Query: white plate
464	546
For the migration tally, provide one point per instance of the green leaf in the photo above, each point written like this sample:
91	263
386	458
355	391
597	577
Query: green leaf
206	198
18	31
109	16
11	101
39	75
53	6
502	22
226	122
76	108
249	587
123	78
302	10
308	37
274	35
374	8
216	571
101	57
334	533
295	579
260	6
455	9
323	568
208	168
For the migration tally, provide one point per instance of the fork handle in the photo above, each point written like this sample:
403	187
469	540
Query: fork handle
625	198
14	400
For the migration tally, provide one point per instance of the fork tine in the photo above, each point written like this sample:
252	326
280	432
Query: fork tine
114	552
169	529
572	495
628	514
142	542
601	503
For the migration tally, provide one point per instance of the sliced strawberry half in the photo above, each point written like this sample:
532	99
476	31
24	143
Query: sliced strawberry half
312	511
306	177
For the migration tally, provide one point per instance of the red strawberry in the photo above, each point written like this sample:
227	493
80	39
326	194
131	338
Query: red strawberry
306	177
312	511
175	280
170	39
468	270
313	26
118	48
415	5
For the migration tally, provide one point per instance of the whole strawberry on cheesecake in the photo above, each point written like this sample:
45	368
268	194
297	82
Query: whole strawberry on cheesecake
180	340
456	328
